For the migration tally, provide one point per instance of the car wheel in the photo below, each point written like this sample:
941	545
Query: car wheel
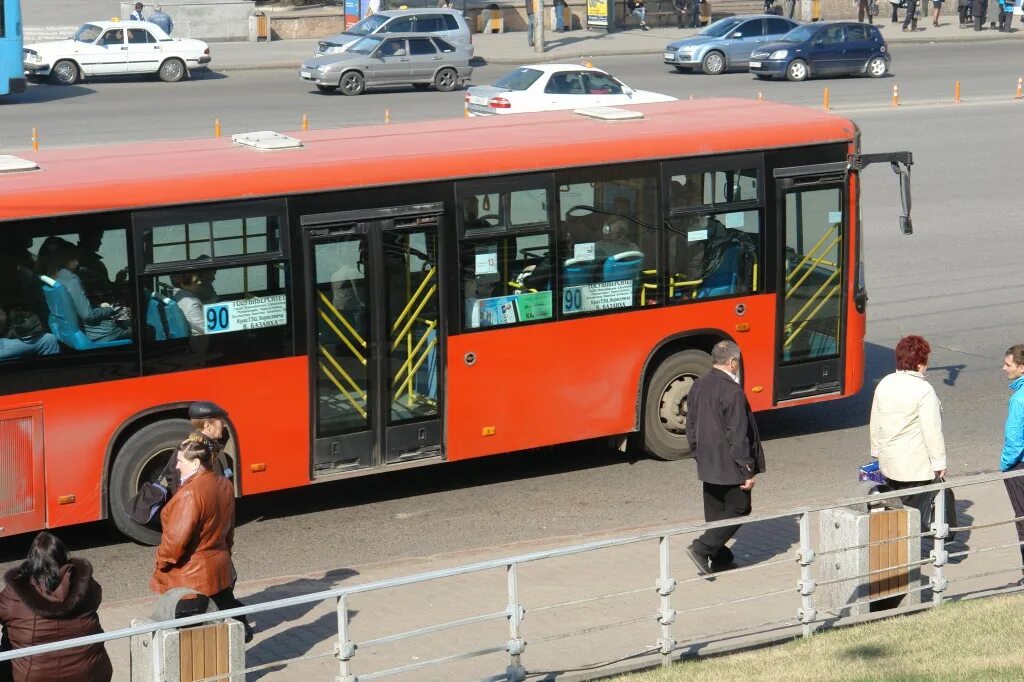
172	70
421	86
64	72
446	80
352	83
327	89
713	63
877	67
797	70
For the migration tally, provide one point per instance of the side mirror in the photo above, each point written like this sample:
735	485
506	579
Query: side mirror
737	34
817	42
399	53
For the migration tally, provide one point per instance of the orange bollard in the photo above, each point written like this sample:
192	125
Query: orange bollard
824	102
305	121
760	96
216	127
895	95
956	93
465	112
1020	83
35	139
387	116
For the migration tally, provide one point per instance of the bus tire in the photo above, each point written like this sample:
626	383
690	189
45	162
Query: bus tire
142	457
664	424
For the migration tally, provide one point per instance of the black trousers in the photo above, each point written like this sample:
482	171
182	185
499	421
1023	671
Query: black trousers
1015	490
920	501
695	14
911	18
225	599
1005	19
721	502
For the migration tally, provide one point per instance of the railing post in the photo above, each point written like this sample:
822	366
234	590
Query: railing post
515	672
939	555
345	649
806	585
666	614
157	651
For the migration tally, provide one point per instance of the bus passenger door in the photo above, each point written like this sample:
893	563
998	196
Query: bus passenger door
812	275
375	341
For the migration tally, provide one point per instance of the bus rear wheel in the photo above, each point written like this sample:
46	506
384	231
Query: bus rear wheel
142	458
664	424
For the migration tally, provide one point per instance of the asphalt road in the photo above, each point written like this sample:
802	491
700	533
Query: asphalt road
954	281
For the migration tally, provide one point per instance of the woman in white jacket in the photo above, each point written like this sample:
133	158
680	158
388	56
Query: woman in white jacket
906	424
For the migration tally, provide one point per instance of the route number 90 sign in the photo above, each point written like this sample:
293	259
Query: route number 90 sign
250	313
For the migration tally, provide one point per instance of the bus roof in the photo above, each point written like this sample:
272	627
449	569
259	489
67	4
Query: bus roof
145	174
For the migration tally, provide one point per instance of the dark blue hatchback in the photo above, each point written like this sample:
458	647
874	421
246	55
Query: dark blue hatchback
823	49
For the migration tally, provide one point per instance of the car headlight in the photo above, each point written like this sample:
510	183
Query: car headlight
689	49
323	68
32	56
778	54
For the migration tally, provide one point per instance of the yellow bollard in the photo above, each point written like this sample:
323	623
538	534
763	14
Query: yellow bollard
35	139
1020	84
305	121
824	101
387	116
895	95
216	127
465	112
956	93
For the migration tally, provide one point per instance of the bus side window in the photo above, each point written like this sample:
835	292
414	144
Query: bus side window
506	280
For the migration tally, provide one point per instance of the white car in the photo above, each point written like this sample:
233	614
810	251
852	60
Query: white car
115	48
547	87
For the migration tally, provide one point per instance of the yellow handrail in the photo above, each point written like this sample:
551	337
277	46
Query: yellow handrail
415	351
330	306
412	299
806	305
824	300
359	356
810	268
412	318
415	367
341	370
808	255
361	411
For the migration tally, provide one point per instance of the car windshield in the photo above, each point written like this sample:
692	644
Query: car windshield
365	45
800	34
87	33
367	25
720	27
520	79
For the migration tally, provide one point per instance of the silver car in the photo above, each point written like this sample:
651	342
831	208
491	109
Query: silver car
447	23
419	59
727	43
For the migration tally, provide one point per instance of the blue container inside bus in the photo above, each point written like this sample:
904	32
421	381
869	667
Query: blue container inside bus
12	72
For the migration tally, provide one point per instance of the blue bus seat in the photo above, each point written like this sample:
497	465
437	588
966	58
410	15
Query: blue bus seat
576	272
154	318
177	325
722	282
64	322
426	374
625	265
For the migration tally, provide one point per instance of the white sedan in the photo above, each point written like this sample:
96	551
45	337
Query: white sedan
547	87
115	48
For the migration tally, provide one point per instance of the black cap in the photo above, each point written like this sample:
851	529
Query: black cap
206	410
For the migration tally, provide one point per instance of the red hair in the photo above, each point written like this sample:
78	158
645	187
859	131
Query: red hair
911	353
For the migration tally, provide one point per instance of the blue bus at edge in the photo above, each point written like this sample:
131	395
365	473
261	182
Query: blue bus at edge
12	70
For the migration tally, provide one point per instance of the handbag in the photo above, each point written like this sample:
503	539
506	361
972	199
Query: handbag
873	8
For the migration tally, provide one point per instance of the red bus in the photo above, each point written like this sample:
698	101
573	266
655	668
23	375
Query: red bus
372	298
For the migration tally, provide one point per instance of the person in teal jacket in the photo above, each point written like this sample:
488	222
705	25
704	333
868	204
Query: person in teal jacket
1013	438
1005	15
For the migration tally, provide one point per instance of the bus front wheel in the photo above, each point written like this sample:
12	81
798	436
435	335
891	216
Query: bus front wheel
664	425
141	459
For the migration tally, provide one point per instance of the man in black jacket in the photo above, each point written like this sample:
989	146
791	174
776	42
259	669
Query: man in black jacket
721	431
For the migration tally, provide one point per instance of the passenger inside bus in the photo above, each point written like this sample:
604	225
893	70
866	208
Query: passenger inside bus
185	294
93	271
58	259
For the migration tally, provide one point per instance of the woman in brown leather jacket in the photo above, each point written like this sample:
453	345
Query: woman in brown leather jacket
49	598
198	533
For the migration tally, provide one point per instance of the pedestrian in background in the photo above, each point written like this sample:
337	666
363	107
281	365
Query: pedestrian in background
161	19
964	8
937	6
637	9
48	598
136	14
1005	15
695	13
682	9
529	22
198	535
559	7
906	426
895	7
721	431
790	8
978	9
1012	457
910	21
864	10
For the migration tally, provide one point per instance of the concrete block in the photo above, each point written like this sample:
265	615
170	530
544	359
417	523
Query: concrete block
210	20
843	528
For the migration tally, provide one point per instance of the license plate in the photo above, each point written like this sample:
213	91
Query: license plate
306	74
755	65
478	100
670	56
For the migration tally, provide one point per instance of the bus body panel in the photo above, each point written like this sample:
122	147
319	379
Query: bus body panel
12	69
268	403
540	384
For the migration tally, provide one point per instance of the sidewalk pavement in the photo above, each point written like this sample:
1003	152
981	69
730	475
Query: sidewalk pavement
612	628
511	48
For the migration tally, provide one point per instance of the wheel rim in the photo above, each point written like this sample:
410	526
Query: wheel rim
350	83
714	62
798	70
446	79
172	70
877	67
65	73
672	407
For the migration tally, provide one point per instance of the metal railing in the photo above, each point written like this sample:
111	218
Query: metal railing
345	647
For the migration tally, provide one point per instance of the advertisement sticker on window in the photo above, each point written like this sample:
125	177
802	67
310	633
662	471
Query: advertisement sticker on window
599	296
